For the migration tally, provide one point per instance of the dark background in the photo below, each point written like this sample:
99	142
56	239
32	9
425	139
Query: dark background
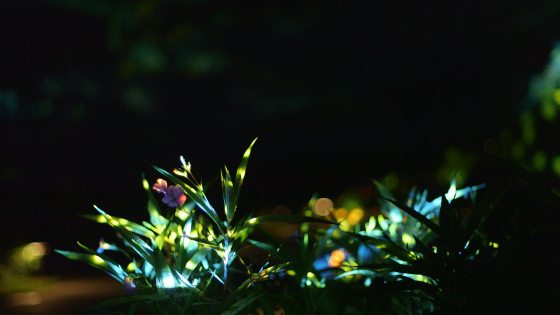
93	92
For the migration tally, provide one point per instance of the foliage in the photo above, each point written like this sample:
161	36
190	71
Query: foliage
417	256
187	260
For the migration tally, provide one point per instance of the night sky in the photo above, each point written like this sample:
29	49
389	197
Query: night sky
93	93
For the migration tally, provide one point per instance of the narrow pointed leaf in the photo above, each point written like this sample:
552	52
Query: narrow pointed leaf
417	215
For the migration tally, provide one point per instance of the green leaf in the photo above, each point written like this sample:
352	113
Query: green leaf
417	215
156	218
261	245
195	260
239	178
386	245
96	260
227	189
285	218
116	221
357	272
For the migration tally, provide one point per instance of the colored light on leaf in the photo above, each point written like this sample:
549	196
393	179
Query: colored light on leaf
355	216
337	258
340	214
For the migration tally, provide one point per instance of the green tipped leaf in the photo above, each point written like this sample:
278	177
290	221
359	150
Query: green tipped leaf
97	261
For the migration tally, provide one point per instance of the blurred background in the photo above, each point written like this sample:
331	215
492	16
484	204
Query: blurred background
94	92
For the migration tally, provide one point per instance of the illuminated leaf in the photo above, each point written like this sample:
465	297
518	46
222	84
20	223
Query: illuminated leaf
417	215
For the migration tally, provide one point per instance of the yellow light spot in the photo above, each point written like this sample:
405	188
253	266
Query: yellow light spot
310	275
291	273
241	172
252	221
190	265
172	236
145	184
323	206
123	221
101	219
131	267
408	239
355	216
340	214
97	260
337	258
182	215
370	225
33	251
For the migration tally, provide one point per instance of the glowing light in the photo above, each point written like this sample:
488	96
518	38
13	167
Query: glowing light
337	258
241	172
190	265
494	245
340	214
355	216
101	219
123	221
370	225
167	281
252	221
408	239
382	222
395	215
182	215
145	184
452	191
98	260
323	206
290	273
131	267
33	251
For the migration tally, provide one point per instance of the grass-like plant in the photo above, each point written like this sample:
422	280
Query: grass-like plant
188	260
409	257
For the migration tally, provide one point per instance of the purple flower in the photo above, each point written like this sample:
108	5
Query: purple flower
173	196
